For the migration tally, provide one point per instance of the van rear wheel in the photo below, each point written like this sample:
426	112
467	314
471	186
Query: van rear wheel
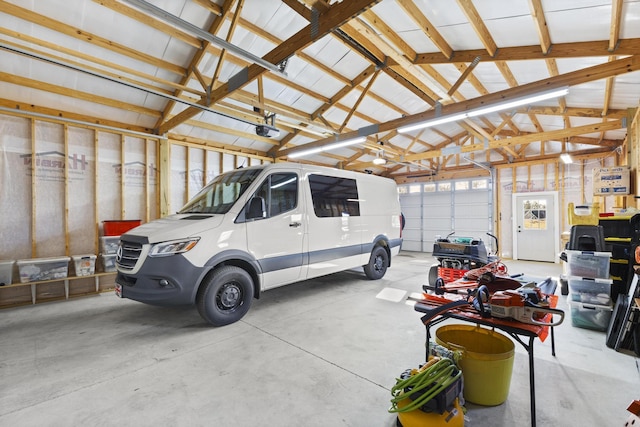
225	296
378	263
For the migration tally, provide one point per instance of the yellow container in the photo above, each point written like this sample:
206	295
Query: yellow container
584	215
486	363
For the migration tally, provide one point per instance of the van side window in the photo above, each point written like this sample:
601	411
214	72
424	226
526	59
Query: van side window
333	196
280	193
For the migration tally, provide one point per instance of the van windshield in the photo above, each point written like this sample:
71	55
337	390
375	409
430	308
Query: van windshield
221	193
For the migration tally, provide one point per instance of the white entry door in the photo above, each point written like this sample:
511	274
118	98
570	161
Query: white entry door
535	226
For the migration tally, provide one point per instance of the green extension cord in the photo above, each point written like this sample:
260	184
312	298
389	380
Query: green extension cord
430	381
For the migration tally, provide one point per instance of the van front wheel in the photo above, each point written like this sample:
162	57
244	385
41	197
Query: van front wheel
378	263
225	296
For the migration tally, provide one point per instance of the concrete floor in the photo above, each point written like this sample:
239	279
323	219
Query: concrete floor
319	353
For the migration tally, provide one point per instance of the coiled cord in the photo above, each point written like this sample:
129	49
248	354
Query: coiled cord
424	384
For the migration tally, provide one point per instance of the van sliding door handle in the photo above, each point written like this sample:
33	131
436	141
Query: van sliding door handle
295	224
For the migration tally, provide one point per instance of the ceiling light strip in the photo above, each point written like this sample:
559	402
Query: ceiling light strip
327	147
501	106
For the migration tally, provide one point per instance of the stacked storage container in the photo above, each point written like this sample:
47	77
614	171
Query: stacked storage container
109	242
590	289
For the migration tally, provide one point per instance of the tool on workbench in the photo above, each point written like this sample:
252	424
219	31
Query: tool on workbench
526	305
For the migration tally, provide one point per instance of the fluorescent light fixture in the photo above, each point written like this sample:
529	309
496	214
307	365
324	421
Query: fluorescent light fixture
501	106
327	147
434	122
507	105
566	158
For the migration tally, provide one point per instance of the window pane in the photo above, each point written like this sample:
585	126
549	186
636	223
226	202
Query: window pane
444	186
462	185
283	194
479	184
535	214
430	187
333	196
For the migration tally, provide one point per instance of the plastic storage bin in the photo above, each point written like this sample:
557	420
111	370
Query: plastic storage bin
116	228
6	272
588	264
593	286
109	244
590	316
35	269
108	263
85	265
591	298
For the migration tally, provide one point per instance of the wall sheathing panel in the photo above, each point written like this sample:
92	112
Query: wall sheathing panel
81	172
59	182
179	178
49	189
197	174
15	187
109	178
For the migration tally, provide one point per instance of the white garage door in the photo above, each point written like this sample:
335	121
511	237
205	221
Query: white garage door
431	210
411	204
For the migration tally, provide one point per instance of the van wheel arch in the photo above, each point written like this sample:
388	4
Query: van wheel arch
241	263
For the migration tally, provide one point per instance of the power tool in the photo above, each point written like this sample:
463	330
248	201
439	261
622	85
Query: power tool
526	305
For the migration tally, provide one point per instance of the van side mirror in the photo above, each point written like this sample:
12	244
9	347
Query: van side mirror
257	208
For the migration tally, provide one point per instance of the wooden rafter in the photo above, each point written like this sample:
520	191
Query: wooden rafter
223	52
537	13
88	37
415	74
195	61
593	73
520	53
616	17
359	100
376	38
334	17
77	94
426	26
479	27
525	139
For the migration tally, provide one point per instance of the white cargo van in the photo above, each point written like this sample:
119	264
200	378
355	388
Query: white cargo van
256	228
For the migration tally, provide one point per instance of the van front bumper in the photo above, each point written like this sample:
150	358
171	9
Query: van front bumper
161	281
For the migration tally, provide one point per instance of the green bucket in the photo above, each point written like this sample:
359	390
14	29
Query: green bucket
486	363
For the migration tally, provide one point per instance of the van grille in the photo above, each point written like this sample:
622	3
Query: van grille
128	254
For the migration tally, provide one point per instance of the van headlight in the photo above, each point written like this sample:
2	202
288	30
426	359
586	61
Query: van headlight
173	247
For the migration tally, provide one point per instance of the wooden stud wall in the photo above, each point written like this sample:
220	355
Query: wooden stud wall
18	293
